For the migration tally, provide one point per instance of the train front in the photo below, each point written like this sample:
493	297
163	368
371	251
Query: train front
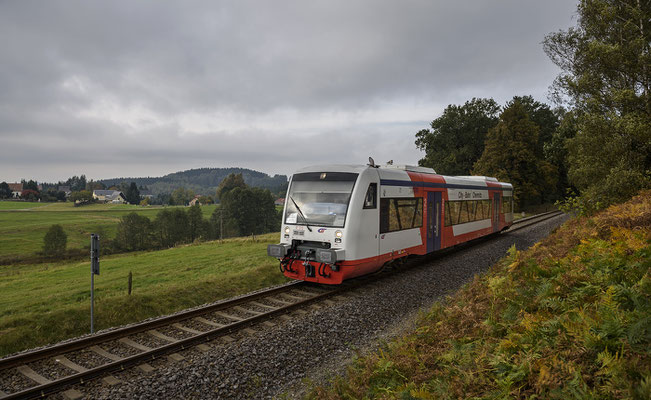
313	231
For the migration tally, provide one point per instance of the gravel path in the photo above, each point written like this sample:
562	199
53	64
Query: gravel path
274	361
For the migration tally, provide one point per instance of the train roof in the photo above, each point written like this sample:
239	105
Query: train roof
394	171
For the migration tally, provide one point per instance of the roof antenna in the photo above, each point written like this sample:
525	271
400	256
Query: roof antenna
371	163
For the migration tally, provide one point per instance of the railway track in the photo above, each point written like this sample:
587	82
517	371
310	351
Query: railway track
52	369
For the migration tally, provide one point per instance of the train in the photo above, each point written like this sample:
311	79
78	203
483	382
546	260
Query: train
344	221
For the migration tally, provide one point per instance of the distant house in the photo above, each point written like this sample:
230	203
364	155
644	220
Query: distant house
146	194
64	189
279	202
195	200
16	189
109	196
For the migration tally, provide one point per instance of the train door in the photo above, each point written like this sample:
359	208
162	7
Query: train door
433	221
496	212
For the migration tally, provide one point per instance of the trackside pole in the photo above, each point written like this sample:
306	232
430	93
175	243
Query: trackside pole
94	270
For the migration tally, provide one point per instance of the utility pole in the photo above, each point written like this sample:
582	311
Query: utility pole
221	224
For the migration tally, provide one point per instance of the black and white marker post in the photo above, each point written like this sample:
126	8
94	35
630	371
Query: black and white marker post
94	270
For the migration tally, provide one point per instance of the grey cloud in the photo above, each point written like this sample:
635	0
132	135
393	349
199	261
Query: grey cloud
62	59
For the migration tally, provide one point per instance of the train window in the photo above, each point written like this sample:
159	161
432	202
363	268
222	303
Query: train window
370	200
321	197
397	214
463	215
507	204
463	211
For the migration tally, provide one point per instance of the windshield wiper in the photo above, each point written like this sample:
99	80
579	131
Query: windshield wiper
301	213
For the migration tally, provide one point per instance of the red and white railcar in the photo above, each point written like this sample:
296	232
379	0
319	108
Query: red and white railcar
343	221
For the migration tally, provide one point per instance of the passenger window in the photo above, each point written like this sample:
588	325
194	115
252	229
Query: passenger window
397	214
370	201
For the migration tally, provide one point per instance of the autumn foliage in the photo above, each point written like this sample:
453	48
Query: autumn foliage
568	318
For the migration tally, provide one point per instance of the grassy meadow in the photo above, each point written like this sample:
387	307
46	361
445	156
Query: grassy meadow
48	302
23	225
568	318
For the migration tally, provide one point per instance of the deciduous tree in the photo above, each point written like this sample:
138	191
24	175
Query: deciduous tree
229	183
510	155
181	196
134	232
606	76
456	139
195	222
5	191
83	196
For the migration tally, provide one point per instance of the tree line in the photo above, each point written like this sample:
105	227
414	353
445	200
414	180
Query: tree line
595	144
243	211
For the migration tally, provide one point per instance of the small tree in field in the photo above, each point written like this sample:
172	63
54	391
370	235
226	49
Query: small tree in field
54	242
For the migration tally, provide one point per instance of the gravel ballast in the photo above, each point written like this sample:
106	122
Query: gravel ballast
317	344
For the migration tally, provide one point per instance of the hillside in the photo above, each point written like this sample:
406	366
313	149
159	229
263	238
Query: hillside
203	180
568	318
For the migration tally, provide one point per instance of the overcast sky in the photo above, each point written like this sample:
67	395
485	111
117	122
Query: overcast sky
145	88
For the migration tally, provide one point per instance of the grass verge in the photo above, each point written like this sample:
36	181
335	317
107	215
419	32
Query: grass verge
45	303
568	318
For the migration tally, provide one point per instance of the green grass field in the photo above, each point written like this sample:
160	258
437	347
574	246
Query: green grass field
23	225
48	302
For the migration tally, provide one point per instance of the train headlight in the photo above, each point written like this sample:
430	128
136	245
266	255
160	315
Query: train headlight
338	234
287	230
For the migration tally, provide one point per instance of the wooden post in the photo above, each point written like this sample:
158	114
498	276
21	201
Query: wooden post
130	282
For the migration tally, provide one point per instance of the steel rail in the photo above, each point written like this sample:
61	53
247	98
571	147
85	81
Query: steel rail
98	338
181	344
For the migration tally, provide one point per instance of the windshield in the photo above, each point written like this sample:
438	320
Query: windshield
322	197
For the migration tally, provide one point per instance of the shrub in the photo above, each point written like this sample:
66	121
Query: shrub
55	241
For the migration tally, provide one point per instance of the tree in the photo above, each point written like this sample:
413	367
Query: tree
77	183
83	196
30	195
229	183
181	196
54	242
556	152
248	211
510	155
172	227
30	185
145	202
5	191
606	76
94	185
133	194
542	115
134	232
206	200
456	140
195	222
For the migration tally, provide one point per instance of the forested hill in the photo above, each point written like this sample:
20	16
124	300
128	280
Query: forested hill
203	180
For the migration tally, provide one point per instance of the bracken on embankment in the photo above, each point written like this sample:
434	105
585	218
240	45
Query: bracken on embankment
568	318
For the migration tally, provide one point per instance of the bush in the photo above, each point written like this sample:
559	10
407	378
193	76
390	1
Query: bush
55	241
